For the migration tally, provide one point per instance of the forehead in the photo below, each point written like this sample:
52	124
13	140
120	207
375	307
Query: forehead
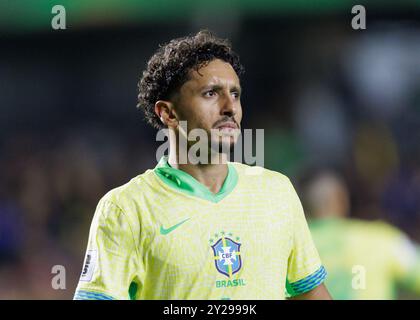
215	72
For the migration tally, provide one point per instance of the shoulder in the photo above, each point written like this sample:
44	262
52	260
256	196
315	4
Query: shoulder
260	174
275	187
377	229
129	191
125	200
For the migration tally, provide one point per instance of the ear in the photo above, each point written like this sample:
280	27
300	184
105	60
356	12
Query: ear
166	113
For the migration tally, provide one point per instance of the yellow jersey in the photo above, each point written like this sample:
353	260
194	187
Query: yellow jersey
164	235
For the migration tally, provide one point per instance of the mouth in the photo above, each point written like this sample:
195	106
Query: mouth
227	125
227	128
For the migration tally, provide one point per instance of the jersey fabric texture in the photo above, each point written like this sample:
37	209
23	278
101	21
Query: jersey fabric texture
164	235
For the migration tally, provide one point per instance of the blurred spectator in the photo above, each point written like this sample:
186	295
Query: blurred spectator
364	260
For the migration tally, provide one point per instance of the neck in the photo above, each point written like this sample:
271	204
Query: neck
211	175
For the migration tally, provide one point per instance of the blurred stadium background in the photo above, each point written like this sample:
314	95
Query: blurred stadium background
326	95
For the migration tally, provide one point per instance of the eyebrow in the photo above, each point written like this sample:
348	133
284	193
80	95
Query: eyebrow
220	87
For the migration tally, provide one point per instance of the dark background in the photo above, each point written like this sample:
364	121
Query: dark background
325	94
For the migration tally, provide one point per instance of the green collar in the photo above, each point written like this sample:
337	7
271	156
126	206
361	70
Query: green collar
186	183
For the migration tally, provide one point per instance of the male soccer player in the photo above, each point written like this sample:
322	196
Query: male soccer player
212	230
365	259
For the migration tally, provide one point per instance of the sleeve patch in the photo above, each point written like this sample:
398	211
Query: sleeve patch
89	266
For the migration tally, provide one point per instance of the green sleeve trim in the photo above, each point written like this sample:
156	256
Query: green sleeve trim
306	284
90	295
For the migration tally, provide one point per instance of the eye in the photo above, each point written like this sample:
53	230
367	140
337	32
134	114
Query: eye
209	94
235	94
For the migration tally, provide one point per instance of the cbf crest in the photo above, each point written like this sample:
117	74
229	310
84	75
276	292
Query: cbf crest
227	253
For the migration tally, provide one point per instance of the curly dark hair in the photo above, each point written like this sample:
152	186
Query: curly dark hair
168	68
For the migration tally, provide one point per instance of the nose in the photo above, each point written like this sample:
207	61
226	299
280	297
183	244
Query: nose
229	105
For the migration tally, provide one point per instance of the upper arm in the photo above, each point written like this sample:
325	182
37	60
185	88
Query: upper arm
111	261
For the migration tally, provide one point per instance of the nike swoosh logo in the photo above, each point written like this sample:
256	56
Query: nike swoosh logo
166	231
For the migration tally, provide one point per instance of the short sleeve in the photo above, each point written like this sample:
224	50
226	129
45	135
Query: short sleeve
304	271
111	265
